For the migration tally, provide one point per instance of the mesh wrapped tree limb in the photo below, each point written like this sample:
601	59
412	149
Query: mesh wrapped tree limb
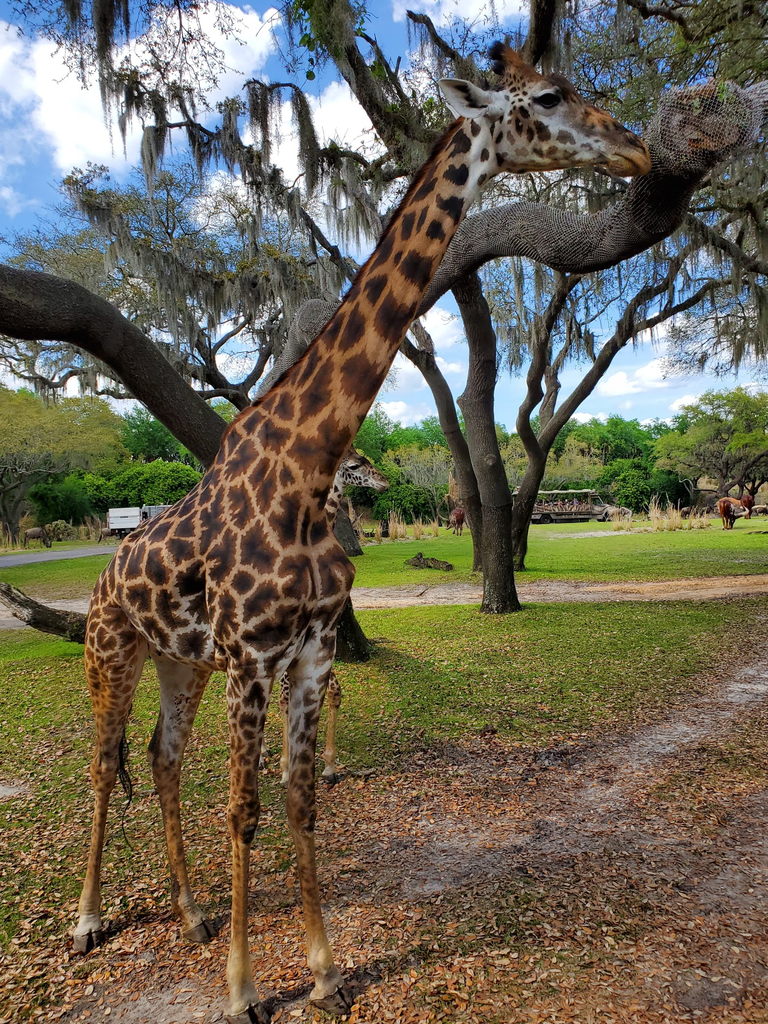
694	130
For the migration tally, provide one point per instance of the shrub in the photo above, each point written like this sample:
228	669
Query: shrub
62	530
407	500
152	483
61	499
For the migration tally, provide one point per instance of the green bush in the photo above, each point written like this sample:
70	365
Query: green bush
100	492
407	500
152	483
61	530
632	488
65	499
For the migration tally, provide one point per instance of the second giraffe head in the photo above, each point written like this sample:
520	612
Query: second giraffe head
538	122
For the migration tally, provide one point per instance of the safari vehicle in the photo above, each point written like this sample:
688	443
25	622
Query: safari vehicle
121	521
577	506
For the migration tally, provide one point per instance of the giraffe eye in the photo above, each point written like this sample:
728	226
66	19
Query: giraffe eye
548	100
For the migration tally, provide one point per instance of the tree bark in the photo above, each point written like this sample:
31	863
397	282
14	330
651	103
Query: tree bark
70	625
499	593
352	645
462	462
346	535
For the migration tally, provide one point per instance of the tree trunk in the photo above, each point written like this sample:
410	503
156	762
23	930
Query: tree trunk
70	625
462	463
499	594
525	499
351	642
346	536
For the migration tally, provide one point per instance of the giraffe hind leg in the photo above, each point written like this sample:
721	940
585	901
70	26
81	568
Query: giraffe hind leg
285	697
114	657
333	700
181	687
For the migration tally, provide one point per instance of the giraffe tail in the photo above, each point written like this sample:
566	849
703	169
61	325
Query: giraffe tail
125	781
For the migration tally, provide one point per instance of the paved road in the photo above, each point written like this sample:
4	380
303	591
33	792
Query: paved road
53	555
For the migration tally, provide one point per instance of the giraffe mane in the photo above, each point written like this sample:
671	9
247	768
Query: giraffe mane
440	144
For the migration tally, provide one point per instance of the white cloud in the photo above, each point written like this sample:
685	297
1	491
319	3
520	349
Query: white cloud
444	328
36	90
646	378
405	413
14	202
678	403
447	367
407	375
585	417
442	11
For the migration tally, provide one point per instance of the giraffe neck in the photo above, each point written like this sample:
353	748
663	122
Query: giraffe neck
326	395
333	500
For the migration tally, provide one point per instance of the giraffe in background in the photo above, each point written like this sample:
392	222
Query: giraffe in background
244	574
355	471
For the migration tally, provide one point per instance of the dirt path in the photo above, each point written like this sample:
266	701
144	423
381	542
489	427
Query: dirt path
412	595
700	589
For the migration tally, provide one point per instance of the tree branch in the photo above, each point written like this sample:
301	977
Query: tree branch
35	306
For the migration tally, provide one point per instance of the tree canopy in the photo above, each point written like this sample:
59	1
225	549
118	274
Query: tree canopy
38	440
723	436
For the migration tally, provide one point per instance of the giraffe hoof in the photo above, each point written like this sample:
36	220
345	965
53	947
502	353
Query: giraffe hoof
338	1003
330	778
252	1015
202	932
87	941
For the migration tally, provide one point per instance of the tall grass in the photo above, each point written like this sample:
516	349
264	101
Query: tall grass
670	518
418	529
622	522
398	529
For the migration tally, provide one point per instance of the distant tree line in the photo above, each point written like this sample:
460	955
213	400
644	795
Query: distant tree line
75	458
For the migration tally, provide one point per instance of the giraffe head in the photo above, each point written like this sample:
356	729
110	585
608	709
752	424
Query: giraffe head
540	123
356	471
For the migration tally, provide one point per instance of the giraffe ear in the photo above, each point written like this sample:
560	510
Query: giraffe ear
468	100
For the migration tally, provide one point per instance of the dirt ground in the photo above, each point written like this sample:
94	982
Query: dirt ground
707	588
430	592
617	879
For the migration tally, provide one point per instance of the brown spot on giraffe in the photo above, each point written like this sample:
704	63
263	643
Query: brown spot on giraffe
285	451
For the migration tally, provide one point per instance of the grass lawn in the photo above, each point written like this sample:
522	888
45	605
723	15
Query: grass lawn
572	552
440	679
569	552
439	675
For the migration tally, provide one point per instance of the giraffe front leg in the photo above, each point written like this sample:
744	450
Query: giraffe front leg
308	681
333	700
181	687
247	699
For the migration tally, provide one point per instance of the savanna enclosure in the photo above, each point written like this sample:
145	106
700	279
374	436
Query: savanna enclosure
552	816
552	784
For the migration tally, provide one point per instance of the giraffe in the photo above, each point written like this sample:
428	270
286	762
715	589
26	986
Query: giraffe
245	575
355	471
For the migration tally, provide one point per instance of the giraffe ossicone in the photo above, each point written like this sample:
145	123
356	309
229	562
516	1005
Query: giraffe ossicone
245	575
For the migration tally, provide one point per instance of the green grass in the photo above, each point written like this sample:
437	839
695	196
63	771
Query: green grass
555	552
439	675
564	552
68	577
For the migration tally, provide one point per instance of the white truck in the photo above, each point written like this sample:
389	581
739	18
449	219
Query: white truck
120	521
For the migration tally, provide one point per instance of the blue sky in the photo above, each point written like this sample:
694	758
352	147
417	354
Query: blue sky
48	124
